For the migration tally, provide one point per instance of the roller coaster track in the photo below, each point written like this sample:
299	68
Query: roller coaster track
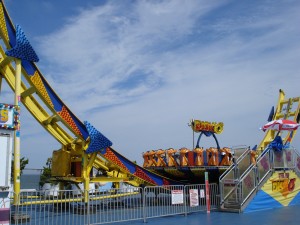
75	137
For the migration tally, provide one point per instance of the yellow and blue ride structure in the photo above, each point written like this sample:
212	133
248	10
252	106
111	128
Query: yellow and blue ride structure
83	147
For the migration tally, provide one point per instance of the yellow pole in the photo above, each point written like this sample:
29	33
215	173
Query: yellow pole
86	176
17	169
0	83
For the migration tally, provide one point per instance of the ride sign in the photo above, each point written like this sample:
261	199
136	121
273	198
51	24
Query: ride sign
198	126
177	197
9	116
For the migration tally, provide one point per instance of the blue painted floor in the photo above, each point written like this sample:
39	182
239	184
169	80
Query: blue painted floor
280	216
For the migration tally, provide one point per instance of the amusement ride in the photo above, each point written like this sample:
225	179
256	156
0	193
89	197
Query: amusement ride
84	148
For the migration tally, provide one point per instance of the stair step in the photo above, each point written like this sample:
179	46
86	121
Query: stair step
230	210
232	206
232	201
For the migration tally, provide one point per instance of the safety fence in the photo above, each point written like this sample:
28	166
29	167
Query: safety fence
111	205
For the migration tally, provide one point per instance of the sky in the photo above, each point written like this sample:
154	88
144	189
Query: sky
139	71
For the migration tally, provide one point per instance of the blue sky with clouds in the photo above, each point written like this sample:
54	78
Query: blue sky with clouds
140	70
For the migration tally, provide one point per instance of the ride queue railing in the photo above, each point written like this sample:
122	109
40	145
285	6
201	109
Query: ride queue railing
111	205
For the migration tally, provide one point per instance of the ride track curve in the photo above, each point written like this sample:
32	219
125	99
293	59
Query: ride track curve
81	142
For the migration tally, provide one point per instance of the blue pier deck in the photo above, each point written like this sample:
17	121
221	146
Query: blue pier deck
279	216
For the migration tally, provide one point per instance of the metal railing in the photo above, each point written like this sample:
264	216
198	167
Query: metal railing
297	163
111	205
236	188
231	177
263	166
115	205
49	207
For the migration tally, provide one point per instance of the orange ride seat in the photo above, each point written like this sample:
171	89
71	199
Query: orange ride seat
212	156
152	161
183	159
226	160
199	160
160	159
171	160
146	159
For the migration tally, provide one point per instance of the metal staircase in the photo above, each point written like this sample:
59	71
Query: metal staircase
240	183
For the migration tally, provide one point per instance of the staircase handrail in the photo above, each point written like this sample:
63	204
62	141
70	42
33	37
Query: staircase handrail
259	174
268	150
234	164
239	180
255	168
244	199
251	166
229	170
296	167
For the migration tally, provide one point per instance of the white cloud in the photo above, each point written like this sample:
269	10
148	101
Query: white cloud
140	71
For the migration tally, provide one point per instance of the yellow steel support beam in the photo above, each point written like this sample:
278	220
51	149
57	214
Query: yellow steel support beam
1	78
283	111
17	152
40	106
6	61
28	92
107	179
36	109
32	104
100	164
51	119
85	175
91	161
